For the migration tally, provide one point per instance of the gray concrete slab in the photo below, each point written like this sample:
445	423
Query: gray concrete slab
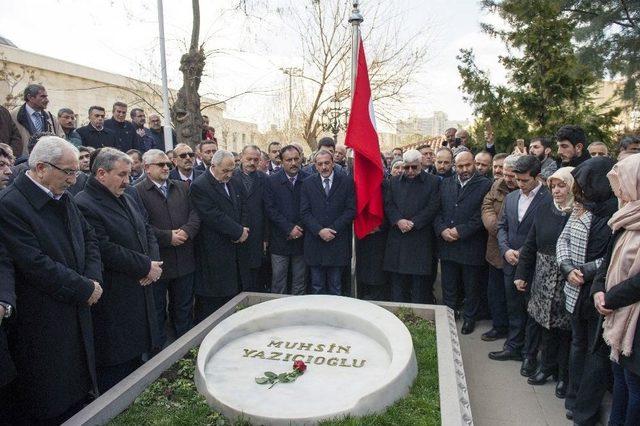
499	395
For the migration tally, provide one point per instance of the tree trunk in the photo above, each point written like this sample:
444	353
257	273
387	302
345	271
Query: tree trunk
185	112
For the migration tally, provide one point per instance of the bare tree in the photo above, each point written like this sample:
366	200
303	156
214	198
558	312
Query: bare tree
185	112
325	41
14	80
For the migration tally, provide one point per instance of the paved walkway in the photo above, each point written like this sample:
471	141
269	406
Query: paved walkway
499	394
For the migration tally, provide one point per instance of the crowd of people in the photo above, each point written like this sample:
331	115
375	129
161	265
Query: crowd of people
110	245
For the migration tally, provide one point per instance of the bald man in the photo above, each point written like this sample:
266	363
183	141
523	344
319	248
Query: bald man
462	238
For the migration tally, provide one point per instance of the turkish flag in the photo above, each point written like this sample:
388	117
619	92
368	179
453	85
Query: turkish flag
363	139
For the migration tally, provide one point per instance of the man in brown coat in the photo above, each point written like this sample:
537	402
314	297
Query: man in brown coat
9	132
491	209
175	224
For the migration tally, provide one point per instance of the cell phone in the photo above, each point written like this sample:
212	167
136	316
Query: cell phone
520	144
458	141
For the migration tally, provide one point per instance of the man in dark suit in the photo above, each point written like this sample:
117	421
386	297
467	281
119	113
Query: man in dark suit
223	228
58	275
175	225
275	164
95	134
513	226
206	149
125	320
7	305
282	207
184	160
327	208
461	237
125	132
412	201
252	181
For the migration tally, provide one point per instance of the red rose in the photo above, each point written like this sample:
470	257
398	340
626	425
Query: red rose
300	366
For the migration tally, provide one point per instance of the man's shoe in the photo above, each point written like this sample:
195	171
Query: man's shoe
569	415
468	327
492	335
529	366
540	377
561	389
505	355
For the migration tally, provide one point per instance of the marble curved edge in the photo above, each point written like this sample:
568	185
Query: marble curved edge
370	320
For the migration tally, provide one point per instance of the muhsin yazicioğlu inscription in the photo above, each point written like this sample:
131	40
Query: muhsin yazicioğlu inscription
359	359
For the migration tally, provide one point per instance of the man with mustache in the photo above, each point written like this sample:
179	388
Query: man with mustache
540	147
282	207
125	321
462	238
252	181
572	146
184	160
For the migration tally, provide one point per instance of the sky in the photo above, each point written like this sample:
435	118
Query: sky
245	53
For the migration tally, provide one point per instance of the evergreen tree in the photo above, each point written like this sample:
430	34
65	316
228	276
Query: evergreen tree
548	86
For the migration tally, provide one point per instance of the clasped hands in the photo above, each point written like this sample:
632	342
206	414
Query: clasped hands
327	234
178	237
244	236
154	273
450	235
295	233
404	225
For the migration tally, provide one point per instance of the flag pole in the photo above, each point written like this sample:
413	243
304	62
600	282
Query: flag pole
168	135
355	19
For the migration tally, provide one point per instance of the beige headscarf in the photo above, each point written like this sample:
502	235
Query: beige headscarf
620	326
564	174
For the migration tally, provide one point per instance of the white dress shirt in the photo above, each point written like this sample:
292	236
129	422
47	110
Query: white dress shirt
525	201
44	188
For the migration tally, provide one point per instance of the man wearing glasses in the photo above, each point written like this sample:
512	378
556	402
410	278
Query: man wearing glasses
412	200
58	275
184	160
175	224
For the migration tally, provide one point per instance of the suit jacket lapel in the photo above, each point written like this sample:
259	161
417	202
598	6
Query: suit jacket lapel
337	180
534	203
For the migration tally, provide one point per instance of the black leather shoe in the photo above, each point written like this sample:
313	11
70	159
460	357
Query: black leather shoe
492	335
505	355
561	389
540	377
529	367
468	327
569	414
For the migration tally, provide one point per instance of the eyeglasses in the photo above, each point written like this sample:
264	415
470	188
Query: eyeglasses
161	164
413	167
68	172
186	154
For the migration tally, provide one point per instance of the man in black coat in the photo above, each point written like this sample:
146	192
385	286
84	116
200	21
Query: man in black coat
411	203
184	161
327	209
517	217
7	306
125	319
125	132
221	206
175	225
253	182
461	237
95	134
282	207
572	146
58	271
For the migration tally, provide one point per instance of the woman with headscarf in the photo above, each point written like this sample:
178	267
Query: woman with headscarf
552	323
616	293
396	167
579	252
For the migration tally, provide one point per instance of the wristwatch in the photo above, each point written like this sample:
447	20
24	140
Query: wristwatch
8	309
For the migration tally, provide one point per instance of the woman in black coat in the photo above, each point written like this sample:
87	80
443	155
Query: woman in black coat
537	265
616	293
579	251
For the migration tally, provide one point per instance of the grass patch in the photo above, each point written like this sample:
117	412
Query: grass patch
174	400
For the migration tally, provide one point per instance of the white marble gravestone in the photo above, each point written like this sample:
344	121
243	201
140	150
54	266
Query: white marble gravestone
359	358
